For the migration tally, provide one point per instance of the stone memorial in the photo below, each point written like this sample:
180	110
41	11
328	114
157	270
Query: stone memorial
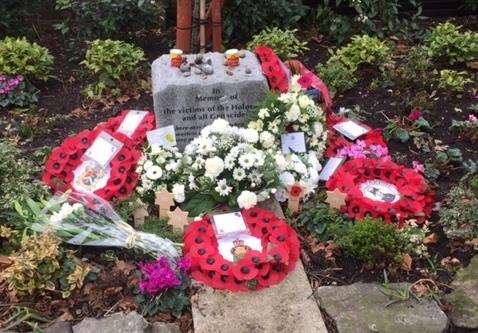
203	89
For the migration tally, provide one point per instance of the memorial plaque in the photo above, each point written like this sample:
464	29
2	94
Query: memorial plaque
192	102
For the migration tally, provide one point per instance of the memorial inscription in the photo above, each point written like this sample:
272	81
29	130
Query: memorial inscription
193	102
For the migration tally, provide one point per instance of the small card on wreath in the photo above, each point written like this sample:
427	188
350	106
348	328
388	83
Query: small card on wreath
164	137
351	129
131	122
330	167
103	149
293	143
229	224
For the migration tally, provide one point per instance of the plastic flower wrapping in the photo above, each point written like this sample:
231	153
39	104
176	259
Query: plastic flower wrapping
220	166
293	112
86	219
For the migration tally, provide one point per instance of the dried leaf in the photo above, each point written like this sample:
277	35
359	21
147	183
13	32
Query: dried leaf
5	260
420	289
125	267
407	262
431	239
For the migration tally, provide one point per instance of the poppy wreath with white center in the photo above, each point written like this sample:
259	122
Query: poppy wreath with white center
415	198
256	270
63	160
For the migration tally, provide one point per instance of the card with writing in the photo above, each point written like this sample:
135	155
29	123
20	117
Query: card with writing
293	143
330	167
131	122
103	149
234	248
351	129
229	224
164	136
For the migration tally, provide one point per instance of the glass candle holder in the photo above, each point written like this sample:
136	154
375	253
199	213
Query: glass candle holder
176	56
232	57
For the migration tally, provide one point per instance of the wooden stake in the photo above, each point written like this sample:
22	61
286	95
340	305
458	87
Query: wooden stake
184	25
165	201
202	27
178	219
216	21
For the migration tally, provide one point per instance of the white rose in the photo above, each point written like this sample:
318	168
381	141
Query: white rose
251	135
287	178
214	166
267	139
304	101
318	128
148	164
154	172
293	113
300	168
178	193
281	162
247	200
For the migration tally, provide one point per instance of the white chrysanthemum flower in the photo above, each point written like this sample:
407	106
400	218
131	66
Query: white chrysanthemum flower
294	85
257	125
267	139
222	188
247	200
300	168
154	172
239	174
263	113
247	160
156	149
214	166
178	193
318	128
293	113
281	162
250	135
192	182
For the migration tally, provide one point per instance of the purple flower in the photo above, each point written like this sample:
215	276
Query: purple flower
184	265
418	167
472	118
158	276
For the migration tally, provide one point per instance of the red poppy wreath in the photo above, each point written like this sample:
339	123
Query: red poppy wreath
250	269
273	69
65	168
382	189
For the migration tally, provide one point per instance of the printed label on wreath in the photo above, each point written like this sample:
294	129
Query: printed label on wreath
131	122
229	224
103	149
164	137
378	190
89	176
351	129
293	143
234	248
330	167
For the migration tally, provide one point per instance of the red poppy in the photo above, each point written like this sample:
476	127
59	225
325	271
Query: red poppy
244	271
296	191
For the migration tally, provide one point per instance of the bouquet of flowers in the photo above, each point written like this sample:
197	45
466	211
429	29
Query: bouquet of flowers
86	219
221	166
287	113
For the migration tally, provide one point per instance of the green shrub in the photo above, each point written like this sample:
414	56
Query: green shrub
20	57
244	18
372	17
40	265
88	20
17	176
318	218
16	15
362	50
283	42
370	241
337	76
112	63
459	217
453	80
445	40
338	72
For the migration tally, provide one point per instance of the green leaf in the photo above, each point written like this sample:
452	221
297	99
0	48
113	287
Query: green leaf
199	204
402	135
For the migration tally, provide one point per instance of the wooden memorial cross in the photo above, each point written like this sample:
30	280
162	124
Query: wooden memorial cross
165	200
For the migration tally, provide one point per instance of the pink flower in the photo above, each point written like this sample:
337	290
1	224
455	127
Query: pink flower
418	167
158	276
472	118
415	114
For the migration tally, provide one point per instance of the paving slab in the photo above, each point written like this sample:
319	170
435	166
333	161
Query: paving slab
288	307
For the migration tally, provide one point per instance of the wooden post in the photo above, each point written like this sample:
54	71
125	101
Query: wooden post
216	25
202	26
184	25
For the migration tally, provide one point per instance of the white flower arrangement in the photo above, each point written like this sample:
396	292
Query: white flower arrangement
221	166
289	112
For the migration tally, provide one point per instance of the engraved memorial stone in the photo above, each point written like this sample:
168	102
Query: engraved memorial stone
192	102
